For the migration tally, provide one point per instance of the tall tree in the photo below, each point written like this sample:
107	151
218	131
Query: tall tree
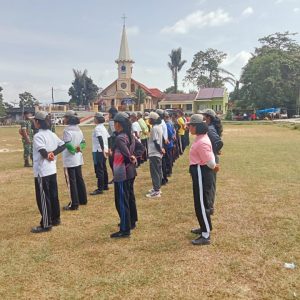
83	90
272	76
27	100
205	70
140	96
171	90
175	66
2	104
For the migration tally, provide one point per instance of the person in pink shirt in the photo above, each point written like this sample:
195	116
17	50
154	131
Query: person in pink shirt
202	166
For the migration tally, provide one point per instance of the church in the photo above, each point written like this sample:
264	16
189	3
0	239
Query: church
122	92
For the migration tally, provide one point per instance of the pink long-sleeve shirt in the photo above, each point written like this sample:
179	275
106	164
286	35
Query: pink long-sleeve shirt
201	152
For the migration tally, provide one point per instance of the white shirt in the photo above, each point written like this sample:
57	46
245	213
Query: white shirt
165	129
44	139
73	135
156	134
135	127
100	130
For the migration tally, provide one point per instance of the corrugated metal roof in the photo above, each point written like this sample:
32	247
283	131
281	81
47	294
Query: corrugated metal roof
179	97
210	93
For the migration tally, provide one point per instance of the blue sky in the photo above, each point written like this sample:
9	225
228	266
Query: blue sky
43	40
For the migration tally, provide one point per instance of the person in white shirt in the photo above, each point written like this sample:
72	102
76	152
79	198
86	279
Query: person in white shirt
46	145
100	151
135	126
165	180
73	160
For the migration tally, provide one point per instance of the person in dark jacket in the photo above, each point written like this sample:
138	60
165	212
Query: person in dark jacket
125	153
214	133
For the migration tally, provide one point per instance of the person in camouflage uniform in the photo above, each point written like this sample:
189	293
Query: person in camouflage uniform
27	132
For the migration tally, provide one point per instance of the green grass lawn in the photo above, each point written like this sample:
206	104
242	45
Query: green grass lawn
256	229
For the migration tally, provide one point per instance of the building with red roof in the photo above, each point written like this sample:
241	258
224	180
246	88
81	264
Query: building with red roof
122	92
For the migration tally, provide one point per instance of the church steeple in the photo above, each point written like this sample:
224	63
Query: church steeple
124	55
124	65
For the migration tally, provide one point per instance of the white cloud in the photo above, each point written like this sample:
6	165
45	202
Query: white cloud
198	20
133	31
235	63
248	11
296	10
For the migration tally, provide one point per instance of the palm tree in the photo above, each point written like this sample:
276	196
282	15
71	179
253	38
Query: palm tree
175	65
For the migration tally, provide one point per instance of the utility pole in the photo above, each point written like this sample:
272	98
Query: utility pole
52	95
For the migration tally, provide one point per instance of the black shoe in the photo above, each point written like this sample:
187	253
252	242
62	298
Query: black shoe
85	203
200	241
133	226
120	234
111	182
196	231
68	207
56	222
96	192
106	188
40	229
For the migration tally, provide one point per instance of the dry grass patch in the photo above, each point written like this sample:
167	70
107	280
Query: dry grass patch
256	230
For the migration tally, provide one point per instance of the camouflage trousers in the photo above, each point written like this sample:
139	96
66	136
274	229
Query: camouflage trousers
27	150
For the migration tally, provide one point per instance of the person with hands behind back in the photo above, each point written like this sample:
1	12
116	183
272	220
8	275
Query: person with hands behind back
100	152
73	160
156	152
126	151
202	168
46	145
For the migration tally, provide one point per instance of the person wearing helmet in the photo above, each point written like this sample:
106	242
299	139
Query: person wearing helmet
125	153
202	167
73	160
215	130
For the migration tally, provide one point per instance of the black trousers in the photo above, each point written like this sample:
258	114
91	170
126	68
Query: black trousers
183	142
100	170
76	186
202	177
47	199
145	144
126	204
164	168
169	160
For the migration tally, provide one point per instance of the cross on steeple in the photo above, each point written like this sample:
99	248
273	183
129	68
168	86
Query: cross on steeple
124	19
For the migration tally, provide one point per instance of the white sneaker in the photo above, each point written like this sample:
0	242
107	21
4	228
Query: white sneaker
152	191
154	194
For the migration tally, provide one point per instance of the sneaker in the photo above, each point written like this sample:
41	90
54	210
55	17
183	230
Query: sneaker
201	241
152	191
106	188
96	192
154	194
120	234
196	231
40	229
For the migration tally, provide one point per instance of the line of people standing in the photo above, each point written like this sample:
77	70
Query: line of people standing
129	142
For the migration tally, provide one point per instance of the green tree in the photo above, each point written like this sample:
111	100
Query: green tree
83	90
27	100
175	66
171	90
271	77
2	104
140	96
205	70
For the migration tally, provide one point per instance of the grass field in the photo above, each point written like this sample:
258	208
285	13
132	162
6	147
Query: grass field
256	230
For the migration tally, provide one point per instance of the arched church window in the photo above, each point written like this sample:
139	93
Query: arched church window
123	68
